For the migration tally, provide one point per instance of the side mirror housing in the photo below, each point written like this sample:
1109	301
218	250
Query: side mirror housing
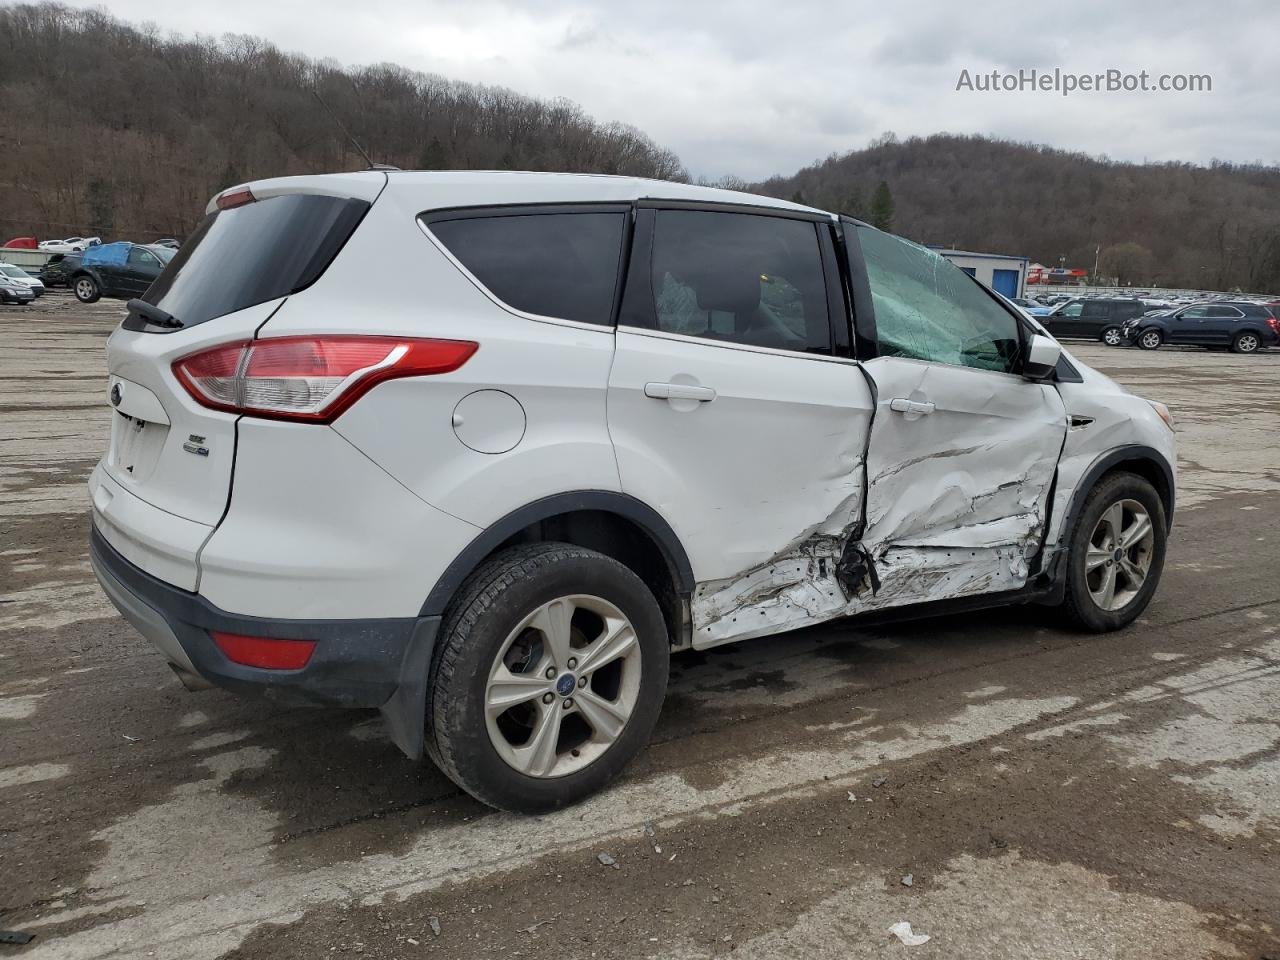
1042	358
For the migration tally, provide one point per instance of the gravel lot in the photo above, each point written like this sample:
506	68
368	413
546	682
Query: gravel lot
1050	794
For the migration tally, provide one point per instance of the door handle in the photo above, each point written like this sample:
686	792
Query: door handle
679	391
920	408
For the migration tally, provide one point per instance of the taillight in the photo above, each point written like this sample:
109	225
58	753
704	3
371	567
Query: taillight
311	379
266	653
1275	325
236	198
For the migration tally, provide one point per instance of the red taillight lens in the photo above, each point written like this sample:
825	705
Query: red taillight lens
1275	325
264	652
237	198
312	379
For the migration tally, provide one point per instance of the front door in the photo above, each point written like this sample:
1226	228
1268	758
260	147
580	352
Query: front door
963	450
140	269
733	415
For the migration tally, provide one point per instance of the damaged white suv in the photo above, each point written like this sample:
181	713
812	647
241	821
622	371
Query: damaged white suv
484	449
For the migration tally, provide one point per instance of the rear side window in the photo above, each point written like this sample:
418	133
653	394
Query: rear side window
927	309
251	254
561	264
740	278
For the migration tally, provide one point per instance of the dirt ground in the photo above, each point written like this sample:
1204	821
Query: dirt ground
1010	788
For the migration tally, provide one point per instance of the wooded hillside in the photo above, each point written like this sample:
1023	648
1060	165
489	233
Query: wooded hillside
1215	227
124	132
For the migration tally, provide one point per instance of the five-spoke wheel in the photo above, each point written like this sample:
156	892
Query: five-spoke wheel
563	686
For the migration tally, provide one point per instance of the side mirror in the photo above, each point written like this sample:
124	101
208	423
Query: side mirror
1042	358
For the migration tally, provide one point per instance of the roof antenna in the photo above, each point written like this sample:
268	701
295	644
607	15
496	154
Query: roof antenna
347	133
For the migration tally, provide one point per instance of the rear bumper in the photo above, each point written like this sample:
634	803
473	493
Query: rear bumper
357	663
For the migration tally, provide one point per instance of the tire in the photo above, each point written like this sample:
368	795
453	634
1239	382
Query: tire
1081	601
86	289
483	626
1112	336
1246	342
1150	339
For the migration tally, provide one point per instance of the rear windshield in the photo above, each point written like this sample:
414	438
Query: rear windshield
250	254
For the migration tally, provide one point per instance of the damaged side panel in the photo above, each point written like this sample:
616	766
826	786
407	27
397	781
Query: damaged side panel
956	505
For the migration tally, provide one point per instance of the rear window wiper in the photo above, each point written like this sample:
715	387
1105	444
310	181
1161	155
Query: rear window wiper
153	314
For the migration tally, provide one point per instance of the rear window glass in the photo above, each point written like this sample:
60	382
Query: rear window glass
551	264
251	254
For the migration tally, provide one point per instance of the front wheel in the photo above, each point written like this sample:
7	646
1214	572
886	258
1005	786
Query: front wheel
1150	340
1246	343
1116	553
1112	336
86	289
549	676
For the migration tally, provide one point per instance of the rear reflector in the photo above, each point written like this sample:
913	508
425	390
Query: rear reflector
310	379
237	198
264	652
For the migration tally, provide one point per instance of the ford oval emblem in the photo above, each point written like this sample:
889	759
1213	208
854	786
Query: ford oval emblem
115	394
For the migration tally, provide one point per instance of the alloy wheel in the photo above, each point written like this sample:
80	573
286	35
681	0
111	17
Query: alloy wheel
1111	337
84	289
563	685
1118	559
1246	343
1151	339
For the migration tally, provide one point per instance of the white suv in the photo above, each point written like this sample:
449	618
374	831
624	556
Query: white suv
484	449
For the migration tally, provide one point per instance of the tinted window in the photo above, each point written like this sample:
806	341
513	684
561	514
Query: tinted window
253	253
741	278
142	258
1194	313
1220	312
1094	310
552	264
927	309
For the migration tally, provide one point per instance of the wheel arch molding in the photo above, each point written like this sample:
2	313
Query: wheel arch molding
1147	462
622	506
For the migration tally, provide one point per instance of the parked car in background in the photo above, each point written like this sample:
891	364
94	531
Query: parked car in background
21	276
11	291
494	502
58	269
1237	325
121	270
1093	318
70	245
166	242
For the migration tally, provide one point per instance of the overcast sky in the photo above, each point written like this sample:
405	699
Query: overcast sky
754	88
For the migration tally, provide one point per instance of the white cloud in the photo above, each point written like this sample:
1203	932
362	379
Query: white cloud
755	88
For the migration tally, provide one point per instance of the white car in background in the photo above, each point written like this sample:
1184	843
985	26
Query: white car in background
69	245
18	275
610	420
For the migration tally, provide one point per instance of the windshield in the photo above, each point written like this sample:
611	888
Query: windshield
251	254
11	271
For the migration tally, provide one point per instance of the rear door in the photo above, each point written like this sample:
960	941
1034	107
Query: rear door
166	451
963	450
1220	325
734	413
140	270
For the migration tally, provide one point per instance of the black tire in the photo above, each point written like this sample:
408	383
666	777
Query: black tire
1150	339
1112	336
490	604
86	289
1078	604
1246	342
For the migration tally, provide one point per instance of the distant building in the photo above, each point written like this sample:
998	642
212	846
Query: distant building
1003	274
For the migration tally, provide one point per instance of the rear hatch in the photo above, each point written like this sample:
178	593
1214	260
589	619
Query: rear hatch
166	450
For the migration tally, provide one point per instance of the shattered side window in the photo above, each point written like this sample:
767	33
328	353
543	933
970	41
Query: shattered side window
927	309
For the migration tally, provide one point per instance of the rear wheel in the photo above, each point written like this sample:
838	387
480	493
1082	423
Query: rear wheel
1246	343
550	674
1116	553
1150	339
1112	336
86	289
